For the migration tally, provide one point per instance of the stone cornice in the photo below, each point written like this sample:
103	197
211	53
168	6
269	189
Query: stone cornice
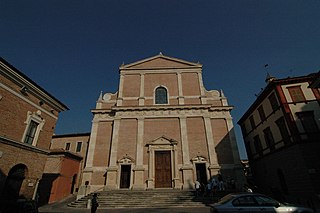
31	87
205	110
22	145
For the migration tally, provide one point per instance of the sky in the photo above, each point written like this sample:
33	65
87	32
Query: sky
73	49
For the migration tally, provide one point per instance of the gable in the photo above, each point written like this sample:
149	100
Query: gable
161	62
163	140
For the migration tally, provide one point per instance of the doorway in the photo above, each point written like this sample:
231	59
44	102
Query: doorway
125	176
201	173
14	181
163	176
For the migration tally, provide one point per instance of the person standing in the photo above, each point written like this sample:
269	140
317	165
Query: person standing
197	186
94	203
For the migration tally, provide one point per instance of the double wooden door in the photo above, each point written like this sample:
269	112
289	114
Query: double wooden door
163	176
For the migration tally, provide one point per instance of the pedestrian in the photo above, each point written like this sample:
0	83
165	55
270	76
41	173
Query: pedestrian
197	185
214	185
94	203
209	188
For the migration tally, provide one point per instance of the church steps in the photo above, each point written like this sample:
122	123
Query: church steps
148	199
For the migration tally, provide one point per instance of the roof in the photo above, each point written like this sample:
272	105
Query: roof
61	151
270	86
30	84
72	135
160	61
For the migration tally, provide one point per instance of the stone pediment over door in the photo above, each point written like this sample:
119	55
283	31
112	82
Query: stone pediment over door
162	141
160	62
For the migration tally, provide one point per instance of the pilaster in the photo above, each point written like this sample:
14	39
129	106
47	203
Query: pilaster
202	92
112	170
214	166
120	92
139	169
141	97
180	91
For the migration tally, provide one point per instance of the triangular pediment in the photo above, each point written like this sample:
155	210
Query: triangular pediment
163	140
160	62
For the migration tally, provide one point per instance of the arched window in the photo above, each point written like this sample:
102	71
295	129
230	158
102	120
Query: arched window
161	95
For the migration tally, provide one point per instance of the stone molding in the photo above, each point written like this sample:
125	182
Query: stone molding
162	111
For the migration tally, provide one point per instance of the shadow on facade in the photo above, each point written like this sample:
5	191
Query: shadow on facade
45	187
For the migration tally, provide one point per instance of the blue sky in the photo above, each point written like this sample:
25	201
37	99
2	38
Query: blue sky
73	48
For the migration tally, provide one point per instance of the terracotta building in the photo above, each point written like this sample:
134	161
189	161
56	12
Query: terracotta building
28	118
60	176
161	129
281	135
76	144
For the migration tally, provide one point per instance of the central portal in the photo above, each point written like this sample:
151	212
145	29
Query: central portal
163	176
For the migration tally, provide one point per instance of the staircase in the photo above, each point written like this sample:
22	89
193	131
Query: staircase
148	199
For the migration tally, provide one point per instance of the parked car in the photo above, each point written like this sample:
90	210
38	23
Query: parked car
253	202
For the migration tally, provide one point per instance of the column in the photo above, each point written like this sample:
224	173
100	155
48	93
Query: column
187	167
139	169
213	160
180	92
112	169
141	97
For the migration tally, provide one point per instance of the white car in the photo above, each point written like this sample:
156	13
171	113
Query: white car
252	202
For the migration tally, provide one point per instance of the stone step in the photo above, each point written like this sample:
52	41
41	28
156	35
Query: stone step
148	199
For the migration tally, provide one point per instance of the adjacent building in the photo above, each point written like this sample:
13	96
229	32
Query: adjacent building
28	119
75	145
281	135
60	176
161	129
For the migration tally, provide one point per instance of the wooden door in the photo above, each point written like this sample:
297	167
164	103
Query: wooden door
163	177
125	176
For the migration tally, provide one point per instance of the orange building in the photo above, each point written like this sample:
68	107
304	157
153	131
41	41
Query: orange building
162	129
60	176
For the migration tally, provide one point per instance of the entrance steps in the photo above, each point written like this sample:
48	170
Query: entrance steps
148	199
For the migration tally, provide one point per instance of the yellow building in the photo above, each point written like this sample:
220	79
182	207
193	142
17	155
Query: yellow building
161	129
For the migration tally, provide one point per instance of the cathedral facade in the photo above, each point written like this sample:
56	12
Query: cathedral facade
161	129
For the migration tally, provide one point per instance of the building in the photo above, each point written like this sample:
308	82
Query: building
60	176
161	129
281	135
74	144
28	119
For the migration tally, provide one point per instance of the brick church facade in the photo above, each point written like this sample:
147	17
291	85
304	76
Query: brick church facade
161	129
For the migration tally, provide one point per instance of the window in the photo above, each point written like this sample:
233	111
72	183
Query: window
161	96
257	145
309	124
79	144
253	125
273	102
283	130
261	113
296	94
269	138
67	146
266	201
244	201
31	132
34	124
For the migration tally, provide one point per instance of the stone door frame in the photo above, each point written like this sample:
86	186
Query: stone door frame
163	144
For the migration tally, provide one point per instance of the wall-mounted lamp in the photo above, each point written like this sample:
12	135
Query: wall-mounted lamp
24	90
